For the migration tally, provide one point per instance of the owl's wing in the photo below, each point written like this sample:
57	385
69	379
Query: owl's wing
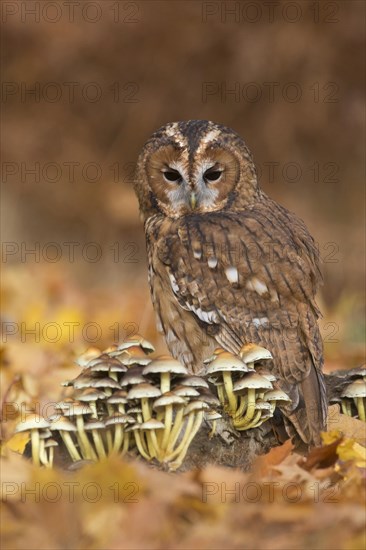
252	277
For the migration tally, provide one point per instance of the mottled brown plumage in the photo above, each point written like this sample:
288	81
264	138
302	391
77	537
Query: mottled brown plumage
228	265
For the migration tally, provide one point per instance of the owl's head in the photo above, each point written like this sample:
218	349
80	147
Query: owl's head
196	166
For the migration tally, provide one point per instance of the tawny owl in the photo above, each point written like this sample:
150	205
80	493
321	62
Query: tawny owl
228	265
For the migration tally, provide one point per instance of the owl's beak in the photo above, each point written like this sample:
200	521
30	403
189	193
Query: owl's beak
193	200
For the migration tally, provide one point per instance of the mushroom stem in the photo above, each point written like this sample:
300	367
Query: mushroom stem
164	382
177	427
86	449
50	457
118	438
187	431
243	402
252	424
126	442
346	407
35	439
360	408
141	446
221	394
213	429
250	408
98	444
228	383
168	424
196	426
70	445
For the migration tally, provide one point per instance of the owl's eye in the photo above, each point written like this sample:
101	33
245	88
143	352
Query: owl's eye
212	175
172	176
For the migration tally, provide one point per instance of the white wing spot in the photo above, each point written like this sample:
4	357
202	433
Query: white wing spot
174	284
205	316
232	274
257	285
212	262
260	321
197	254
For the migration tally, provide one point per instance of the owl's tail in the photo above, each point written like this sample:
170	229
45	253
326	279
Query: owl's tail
310	416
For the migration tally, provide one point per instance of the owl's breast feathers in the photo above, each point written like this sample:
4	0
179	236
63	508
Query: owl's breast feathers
238	277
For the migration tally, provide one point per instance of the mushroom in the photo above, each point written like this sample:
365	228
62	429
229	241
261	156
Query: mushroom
78	410
88	355
195	414
94	426
357	391
220	372
275	397
140	443
119	421
64	427
248	385
164	405
132	376
50	444
34	423
164	366
136	340
250	353
211	416
118	398
150	427
90	396
194	382
144	392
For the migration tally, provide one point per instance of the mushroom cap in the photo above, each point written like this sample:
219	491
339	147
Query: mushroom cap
216	352
133	356
63	424
152	424
185	391
32	422
165	364
87	356
193	381
143	390
102	358
195	406
276	395
64	404
83	381
101	366
166	399
252	352
90	394
51	443
132	376
117	397
269	376
94	425
227	362
355	389
119	419
210	398
77	408
262	405
105	383
252	380
137	340
212	415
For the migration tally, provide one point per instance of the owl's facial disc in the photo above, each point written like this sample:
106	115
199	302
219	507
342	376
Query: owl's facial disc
183	182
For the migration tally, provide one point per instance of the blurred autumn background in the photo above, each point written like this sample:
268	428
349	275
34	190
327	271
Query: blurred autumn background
86	83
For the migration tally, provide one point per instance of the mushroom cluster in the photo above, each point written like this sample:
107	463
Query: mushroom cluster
124	400
247	396
353	396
